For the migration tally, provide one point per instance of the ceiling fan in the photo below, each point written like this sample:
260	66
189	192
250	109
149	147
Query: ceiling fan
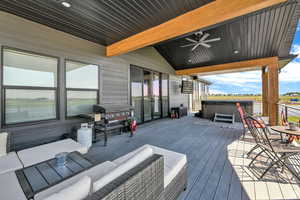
200	41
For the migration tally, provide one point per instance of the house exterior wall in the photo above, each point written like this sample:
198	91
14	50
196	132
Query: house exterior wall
16	32
175	91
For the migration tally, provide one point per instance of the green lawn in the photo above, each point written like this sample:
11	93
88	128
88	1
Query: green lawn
283	99
294	119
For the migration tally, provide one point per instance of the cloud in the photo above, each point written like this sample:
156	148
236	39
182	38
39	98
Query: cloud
239	79
295	50
215	91
298	27
291	72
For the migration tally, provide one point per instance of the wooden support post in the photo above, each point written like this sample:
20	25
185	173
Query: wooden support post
273	93
265	86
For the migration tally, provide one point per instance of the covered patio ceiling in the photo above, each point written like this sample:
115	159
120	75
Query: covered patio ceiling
101	21
256	29
248	29
265	33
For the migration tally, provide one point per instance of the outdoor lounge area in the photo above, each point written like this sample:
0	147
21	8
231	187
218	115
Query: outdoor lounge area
108	100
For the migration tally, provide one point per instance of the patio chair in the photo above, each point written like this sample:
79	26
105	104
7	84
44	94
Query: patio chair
271	136
283	119
245	126
242	113
277	151
242	116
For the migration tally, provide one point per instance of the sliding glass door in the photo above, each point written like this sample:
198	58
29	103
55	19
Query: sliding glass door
149	94
136	78
156	96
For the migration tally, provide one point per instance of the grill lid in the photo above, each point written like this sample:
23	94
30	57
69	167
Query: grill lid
109	108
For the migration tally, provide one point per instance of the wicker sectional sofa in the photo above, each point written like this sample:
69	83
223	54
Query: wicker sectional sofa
148	173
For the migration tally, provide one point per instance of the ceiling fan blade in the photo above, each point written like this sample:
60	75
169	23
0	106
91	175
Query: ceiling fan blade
212	40
188	45
205	45
206	35
191	40
195	47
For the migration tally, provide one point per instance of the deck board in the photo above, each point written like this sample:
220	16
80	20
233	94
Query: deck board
217	162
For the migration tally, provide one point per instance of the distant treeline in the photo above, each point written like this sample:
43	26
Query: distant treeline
292	94
235	95
255	95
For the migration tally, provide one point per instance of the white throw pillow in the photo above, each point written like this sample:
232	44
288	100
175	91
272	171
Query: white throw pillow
77	191
136	159
3	144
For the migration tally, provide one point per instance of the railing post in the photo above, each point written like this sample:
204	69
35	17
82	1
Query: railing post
264	77
286	113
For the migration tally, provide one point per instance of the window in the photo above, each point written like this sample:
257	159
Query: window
82	83
30	87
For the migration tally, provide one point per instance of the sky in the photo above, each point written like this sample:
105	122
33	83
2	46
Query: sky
250	82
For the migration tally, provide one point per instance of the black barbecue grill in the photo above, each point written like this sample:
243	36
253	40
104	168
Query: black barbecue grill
113	118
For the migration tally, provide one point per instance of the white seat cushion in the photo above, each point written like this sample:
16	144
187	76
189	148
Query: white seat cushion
77	191
173	161
130	163
10	188
94	173
10	162
3	144
44	152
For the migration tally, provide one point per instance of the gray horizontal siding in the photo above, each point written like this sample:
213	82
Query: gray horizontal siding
115	84
176	97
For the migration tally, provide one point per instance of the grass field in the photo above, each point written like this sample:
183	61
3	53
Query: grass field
283	99
294	119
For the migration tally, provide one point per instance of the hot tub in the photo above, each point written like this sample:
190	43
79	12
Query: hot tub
210	107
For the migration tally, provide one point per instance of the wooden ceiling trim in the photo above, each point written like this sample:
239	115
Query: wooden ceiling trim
205	16
261	62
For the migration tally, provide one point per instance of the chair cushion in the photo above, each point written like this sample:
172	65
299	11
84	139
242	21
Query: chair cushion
44	152
128	164
10	188
94	173
3	144
77	191
173	161
10	162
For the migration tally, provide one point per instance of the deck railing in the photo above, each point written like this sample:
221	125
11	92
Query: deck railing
289	113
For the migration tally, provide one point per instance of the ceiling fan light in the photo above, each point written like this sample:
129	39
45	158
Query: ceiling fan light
66	4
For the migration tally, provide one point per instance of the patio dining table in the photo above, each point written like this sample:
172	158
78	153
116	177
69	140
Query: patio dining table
285	130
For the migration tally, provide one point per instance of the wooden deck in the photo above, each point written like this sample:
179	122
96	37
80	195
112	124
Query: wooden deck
216	159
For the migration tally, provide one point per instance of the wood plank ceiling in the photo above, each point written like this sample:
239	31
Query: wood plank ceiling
265	33
101	21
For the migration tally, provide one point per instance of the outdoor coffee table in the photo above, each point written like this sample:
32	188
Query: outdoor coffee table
38	177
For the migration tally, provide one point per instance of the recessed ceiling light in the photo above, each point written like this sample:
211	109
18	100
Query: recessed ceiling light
66	4
236	52
189	60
